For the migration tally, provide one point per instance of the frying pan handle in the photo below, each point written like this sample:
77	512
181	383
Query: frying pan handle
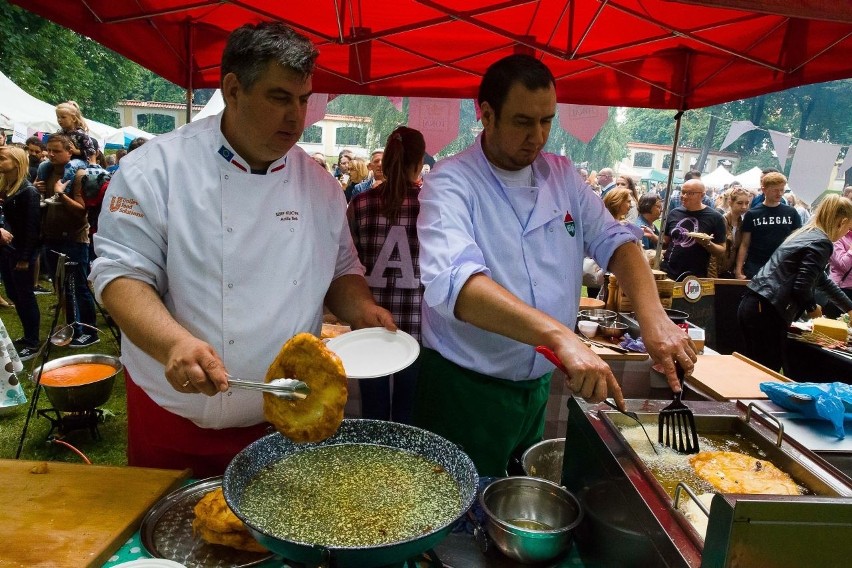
551	356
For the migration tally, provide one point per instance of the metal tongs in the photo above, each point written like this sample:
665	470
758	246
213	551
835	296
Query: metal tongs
290	389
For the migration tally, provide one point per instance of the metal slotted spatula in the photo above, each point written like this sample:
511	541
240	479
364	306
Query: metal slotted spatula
676	425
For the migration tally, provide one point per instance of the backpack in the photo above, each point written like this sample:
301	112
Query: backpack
93	183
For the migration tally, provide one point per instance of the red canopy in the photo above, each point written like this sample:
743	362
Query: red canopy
645	53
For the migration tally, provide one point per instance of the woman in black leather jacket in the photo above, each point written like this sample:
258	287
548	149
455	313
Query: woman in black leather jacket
784	288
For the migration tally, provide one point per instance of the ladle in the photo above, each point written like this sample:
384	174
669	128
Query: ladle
290	389
63	334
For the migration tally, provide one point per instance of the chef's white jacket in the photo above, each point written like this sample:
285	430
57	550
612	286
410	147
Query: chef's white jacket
242	260
530	240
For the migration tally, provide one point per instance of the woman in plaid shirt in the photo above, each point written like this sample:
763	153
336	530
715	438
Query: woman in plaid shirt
383	221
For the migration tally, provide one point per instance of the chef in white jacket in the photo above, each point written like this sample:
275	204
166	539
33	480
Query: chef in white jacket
217	243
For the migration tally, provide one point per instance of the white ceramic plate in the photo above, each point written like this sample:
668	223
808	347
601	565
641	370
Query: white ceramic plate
374	352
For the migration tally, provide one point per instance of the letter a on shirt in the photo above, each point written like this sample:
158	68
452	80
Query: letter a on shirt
396	240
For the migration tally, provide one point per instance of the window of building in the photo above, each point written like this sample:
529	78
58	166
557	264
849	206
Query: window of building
312	135
643	160
351	136
667	161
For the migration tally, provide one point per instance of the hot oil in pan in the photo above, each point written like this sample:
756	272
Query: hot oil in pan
351	495
669	467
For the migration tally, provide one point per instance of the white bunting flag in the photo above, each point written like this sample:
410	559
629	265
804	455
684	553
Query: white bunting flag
738	128
810	174
847	163
781	142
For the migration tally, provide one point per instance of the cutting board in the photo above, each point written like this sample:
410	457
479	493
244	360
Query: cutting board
729	377
608	354
74	515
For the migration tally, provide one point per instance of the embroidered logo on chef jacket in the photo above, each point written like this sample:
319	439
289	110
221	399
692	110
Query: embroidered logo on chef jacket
569	224
230	157
124	205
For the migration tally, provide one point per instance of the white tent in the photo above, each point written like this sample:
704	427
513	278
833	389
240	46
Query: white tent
718	178
750	179
213	106
126	134
19	108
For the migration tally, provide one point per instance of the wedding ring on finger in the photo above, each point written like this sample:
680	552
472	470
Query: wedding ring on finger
186	384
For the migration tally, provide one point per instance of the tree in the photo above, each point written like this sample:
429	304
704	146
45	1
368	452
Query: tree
55	64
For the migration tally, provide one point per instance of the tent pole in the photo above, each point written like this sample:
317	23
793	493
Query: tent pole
667	200
188	71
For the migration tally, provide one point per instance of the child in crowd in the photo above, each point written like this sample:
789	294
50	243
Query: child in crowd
73	125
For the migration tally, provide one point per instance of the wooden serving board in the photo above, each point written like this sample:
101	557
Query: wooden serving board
74	515
729	377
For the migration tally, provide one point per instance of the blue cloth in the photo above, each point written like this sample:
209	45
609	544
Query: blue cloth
468	225
646	242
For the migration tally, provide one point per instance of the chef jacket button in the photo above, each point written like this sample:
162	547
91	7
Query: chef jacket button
292	229
231	342
230	285
535	283
227	176
295	282
231	229
551	229
229	393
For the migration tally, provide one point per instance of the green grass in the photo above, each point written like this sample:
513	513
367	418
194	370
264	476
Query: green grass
109	450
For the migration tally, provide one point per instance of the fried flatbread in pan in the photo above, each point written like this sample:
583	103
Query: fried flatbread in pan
733	472
315	418
217	524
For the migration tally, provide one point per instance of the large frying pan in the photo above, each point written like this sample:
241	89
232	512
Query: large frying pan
274	447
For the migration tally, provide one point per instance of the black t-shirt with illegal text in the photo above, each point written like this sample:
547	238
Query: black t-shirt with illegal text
769	226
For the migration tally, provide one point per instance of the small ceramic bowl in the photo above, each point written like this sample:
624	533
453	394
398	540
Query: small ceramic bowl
588	328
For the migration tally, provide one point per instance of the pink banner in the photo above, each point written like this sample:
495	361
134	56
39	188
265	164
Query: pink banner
396	102
437	119
316	108
583	122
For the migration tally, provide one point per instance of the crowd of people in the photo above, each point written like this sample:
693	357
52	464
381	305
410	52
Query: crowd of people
51	194
223	228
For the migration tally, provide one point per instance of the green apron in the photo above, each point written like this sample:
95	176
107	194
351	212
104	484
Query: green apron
491	419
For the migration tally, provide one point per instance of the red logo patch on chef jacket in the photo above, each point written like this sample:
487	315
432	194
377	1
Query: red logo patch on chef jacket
569	224
124	205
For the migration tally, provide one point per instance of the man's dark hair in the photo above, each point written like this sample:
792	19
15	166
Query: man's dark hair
769	170
501	75
36	141
647	202
62	139
691	174
251	47
135	143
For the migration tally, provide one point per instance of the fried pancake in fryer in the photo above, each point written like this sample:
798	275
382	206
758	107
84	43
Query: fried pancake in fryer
733	472
318	416
217	524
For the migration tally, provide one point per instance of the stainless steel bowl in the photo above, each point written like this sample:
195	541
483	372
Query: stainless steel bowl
598	315
614	329
544	460
513	505
78	398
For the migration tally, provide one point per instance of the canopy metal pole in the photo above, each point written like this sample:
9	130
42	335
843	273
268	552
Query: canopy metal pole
667	200
189	71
